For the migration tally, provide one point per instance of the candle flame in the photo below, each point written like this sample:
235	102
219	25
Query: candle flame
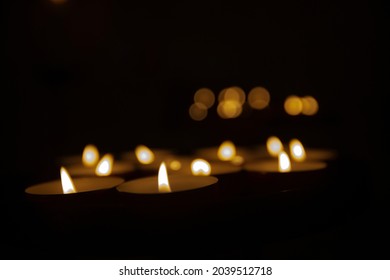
144	154
200	167
163	183
226	151
284	162
297	151
274	146
90	155
104	167
67	182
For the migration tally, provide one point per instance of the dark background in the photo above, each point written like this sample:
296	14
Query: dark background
122	73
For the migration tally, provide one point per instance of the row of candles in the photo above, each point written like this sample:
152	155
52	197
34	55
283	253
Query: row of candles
94	173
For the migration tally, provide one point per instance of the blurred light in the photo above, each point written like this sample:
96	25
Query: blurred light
198	111
228	109
144	154
284	162
90	155
226	151
258	98
238	160
293	105
236	94
204	96
104	167
309	105
175	165
200	167
297	151
274	146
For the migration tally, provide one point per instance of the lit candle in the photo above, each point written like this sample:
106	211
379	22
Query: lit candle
68	185
161	184
226	151
106	166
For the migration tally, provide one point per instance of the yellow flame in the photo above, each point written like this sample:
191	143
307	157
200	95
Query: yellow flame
297	150
104	167
175	165
226	151
284	164
90	155
163	183
67	182
293	105
274	146
144	154
200	167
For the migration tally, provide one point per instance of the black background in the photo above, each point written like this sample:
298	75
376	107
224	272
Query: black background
122	73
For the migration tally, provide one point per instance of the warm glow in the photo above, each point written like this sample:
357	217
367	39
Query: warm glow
198	111
175	165
144	154
297	151
90	155
163	183
258	98
309	105
66	181
274	146
228	109
284	162
293	105
200	167
238	160
236	94
226	151
104	167
204	96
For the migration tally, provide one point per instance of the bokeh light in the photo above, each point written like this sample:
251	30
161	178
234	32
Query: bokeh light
198	111
204	96
259	98
309	105
293	105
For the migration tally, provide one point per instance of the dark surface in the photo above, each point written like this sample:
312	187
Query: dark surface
140	62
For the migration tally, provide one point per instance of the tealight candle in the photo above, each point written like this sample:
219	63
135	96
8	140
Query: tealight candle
226	151
199	166
105	167
161	184
67	185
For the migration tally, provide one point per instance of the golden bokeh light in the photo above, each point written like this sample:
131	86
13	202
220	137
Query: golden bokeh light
66	182
104	167
284	163
163	182
309	105
259	98
236	94
144	154
175	165
238	160
274	146
226	151
200	167
229	109
204	96
90	155
293	105
198	111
